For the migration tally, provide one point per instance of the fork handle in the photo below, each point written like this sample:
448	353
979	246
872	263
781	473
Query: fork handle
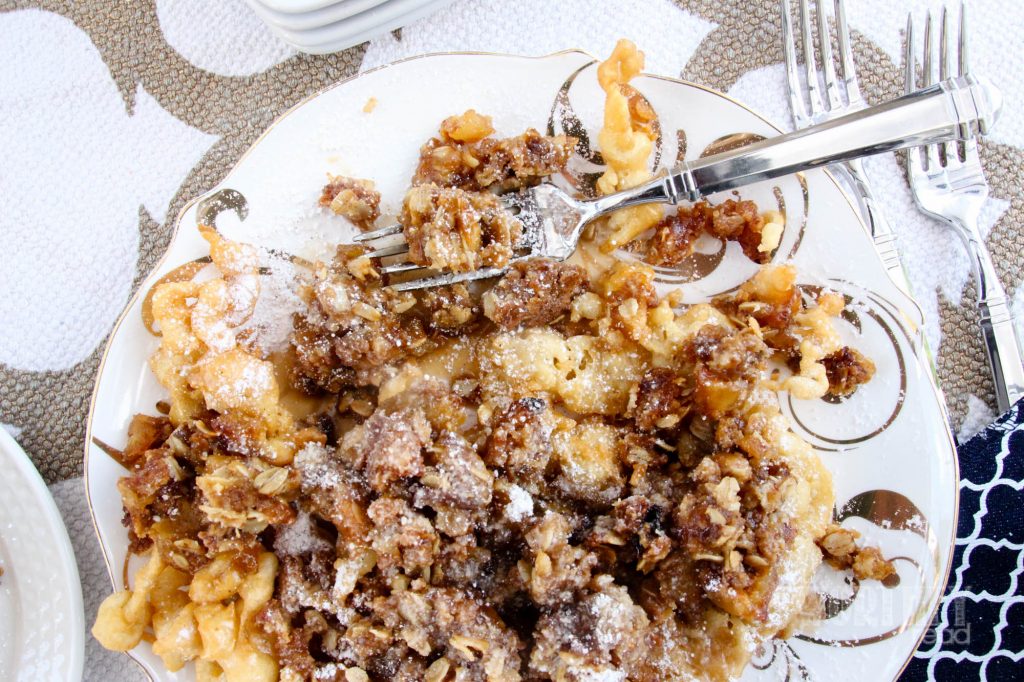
1003	351
952	109
1002	347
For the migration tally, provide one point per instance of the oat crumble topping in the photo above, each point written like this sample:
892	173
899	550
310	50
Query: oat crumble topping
566	476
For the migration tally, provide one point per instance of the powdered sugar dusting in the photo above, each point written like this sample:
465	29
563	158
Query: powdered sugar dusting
520	505
606	675
271	319
313	462
327	671
299	537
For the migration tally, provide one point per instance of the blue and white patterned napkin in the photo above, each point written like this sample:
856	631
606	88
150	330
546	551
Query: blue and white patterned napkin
978	631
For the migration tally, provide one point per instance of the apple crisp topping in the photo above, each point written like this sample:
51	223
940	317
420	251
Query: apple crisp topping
738	221
568	476
451	229
352	198
467	157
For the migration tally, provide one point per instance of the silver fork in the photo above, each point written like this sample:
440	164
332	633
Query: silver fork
841	96
552	220
949	184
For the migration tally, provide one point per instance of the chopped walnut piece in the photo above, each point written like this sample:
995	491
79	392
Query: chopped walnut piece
601	636
662	399
401	537
352	198
451	229
847	369
451	309
732	220
841	551
839	545
534	292
467	127
520	440
871	565
465	156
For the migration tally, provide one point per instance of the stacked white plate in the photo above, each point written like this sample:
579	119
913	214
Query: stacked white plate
323	26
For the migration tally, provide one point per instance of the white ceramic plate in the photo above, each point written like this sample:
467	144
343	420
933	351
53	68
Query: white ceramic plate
303	6
301	21
354	29
42	626
888	446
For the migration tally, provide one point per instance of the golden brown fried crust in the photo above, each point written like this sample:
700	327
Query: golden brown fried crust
533	293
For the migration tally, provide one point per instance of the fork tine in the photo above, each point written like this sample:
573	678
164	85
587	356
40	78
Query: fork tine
910	76
963	70
796	99
945	59
928	78
393	250
396	268
810	69
448	278
828	68
926	63
962	57
910	85
967	147
377	234
944	44
849	69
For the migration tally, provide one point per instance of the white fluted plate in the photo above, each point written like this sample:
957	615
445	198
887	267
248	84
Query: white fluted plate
42	627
